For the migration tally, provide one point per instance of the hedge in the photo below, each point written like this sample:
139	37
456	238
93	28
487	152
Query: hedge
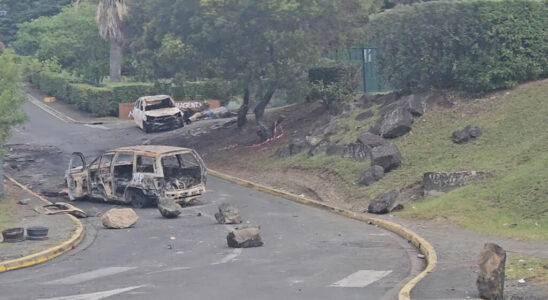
474	46
101	101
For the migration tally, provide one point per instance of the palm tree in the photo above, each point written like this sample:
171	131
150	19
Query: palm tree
110	21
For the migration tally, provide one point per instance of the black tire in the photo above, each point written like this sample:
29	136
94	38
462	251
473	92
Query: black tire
146	127
138	199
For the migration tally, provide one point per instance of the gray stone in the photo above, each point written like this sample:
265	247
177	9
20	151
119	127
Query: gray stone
387	156
371	140
320	148
395	123
364	115
368	99
413	104
384	203
356	151
24	201
168	208
117	218
295	147
386	99
228	214
334	149
436	183
245	237
468	133
371	175
490	280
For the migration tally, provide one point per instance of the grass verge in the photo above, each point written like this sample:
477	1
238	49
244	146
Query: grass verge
532	269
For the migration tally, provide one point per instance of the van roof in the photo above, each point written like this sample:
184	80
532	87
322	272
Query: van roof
152	149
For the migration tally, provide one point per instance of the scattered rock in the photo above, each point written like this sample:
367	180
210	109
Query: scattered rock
490	280
24	201
468	133
371	140
386	99
413	104
384	203
228	214
168	208
245	237
356	151
368	99
320	148
334	149
296	146
395	123
437	183
371	175
117	218
364	115
387	156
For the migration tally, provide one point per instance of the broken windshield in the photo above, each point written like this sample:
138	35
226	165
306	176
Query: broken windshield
158	104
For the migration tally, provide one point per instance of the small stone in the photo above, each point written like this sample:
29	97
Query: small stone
468	133
228	214
24	201
384	203
387	156
490	280
245	237
168	208
371	175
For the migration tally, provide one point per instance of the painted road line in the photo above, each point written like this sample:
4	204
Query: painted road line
97	295
361	279
87	276
169	270
235	253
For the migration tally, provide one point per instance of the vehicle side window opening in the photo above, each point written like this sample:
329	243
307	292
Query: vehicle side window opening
123	171
77	164
181	171
145	164
158	104
106	161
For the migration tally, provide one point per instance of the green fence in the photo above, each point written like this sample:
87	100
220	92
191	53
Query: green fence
371	80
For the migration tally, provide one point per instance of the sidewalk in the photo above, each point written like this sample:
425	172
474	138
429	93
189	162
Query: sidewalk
62	228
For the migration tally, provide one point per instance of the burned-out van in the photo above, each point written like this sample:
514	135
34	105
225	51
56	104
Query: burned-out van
138	175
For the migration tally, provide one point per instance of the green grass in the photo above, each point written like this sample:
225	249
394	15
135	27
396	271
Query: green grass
530	268
514	146
7	213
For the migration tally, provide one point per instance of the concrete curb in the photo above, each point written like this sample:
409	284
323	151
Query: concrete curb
418	241
47	254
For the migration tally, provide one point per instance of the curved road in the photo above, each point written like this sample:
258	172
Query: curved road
308	253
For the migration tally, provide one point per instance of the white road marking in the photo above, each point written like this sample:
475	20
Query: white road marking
235	253
98	295
362	278
78	278
169	270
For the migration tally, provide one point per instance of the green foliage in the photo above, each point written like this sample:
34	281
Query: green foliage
473	46
11	96
20	11
70	38
101	101
333	84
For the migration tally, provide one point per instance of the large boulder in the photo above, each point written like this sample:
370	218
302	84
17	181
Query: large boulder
387	156
296	146
356	151
384	203
364	115
437	183
386	99
334	149
468	133
395	123
117	218
245	237
228	214
371	140
371	175
320	148
168	208
490	280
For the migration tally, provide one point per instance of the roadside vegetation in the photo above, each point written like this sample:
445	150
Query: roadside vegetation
525	267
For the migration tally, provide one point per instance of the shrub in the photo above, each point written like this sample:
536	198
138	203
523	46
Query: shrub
473	46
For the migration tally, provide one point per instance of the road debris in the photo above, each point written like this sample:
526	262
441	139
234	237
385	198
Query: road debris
23	201
37	233
244	237
13	235
168	208
60	208
421	256
228	214
117	218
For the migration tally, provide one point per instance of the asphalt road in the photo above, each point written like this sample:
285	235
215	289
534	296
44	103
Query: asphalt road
308	253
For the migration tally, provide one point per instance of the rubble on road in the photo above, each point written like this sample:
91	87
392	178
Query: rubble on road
228	214
168	208
59	208
23	201
490	280
118	218
245	237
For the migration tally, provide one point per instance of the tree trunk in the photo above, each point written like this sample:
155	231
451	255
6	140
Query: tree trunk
259	109
115	61
242	113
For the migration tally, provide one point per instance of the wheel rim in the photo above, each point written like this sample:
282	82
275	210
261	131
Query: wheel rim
138	200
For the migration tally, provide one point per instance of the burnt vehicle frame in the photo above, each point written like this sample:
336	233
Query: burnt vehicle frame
159	112
138	175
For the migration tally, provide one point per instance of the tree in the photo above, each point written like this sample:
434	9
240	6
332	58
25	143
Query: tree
70	37
110	20
269	45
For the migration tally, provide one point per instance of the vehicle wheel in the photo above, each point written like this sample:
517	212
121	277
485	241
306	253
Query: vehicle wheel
181	122
146	127
138	199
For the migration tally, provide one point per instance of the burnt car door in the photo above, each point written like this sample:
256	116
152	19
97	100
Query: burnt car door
104	176
77	177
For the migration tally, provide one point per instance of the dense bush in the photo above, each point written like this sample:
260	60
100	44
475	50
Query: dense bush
474	46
